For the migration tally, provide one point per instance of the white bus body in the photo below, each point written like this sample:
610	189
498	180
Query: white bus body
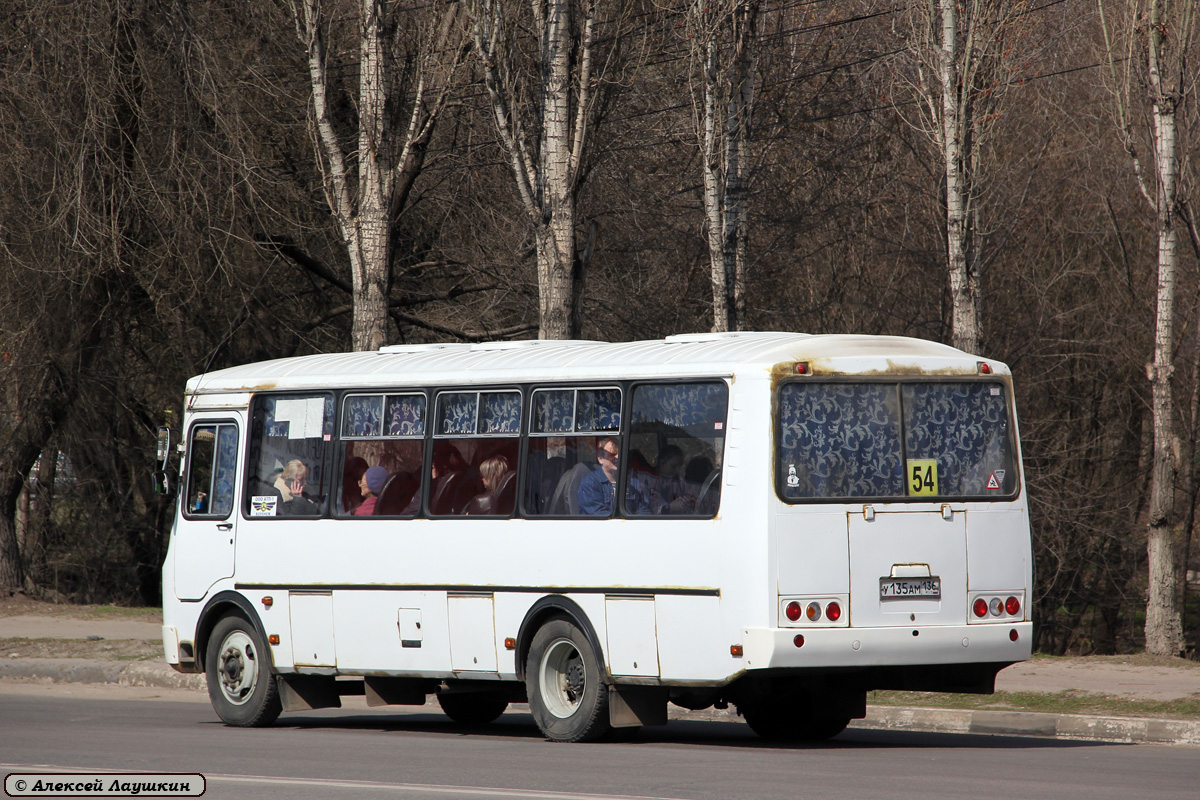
851	505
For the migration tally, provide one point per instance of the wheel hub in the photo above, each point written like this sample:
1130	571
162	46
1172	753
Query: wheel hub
575	681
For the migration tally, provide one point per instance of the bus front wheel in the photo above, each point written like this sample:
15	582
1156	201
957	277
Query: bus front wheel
238	672
567	697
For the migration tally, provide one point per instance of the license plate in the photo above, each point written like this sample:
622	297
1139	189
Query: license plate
901	588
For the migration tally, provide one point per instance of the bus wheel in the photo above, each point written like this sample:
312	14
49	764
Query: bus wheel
790	719
238	670
472	708
567	697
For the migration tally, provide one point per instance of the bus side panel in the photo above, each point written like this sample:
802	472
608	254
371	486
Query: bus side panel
394	631
691	647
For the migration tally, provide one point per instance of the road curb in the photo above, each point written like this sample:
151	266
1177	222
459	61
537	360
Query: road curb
88	670
1125	730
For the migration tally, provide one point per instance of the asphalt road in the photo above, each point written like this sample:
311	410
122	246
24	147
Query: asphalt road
355	753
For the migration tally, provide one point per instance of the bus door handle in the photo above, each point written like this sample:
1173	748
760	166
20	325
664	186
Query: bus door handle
224	526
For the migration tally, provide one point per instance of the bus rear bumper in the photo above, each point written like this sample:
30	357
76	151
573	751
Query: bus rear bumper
775	648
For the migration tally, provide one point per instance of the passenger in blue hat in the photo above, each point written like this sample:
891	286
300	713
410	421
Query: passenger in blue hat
371	484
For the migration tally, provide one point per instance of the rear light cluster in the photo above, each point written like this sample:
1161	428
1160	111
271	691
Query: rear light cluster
989	607
810	611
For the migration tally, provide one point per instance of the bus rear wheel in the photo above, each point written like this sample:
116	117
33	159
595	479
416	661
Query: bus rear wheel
790	719
567	697
238	672
472	708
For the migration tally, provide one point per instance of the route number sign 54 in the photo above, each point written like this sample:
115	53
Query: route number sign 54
922	477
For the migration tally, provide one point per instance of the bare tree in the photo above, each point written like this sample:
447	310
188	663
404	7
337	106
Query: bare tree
545	125
390	147
725	46
1148	44
964	54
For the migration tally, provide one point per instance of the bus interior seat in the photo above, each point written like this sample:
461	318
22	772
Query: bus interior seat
506	493
566	494
396	494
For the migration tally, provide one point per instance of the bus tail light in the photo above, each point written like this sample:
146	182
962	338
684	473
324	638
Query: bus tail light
815	611
1013	635
798	640
995	606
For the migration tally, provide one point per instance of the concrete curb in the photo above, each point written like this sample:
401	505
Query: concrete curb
87	670
1125	730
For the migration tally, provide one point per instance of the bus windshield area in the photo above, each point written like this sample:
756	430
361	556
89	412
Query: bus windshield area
893	441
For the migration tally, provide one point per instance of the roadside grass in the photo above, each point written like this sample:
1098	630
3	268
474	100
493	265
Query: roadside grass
102	649
1068	702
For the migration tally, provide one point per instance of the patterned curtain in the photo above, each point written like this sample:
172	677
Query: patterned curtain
688	405
839	440
552	411
501	412
964	427
363	416
222	497
406	415
457	412
598	410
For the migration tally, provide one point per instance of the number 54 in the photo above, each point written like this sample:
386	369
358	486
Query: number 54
922	477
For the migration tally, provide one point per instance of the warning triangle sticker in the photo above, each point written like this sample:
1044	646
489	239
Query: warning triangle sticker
995	479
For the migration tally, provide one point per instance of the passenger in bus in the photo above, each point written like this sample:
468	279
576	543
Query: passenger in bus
352	474
670	493
290	484
598	490
370	484
492	472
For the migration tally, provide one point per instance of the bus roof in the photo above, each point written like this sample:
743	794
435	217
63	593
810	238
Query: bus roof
687	355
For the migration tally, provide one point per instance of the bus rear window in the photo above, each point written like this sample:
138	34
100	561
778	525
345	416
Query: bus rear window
893	441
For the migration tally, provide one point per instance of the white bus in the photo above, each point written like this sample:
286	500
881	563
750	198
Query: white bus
775	520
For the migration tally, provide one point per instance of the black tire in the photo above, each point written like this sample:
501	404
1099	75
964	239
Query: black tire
563	678
241	680
472	708
788	721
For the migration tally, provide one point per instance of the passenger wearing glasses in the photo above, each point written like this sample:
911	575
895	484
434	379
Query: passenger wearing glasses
598	490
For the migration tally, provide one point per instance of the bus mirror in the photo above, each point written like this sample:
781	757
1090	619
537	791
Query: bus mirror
164	446
162	483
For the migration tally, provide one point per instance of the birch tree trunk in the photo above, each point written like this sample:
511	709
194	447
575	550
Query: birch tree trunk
546	144
964	287
389	156
727	109
1164	629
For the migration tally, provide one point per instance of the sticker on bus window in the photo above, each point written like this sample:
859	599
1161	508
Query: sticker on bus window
263	505
996	480
922	477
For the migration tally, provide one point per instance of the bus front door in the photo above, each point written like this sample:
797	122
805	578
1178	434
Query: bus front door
204	531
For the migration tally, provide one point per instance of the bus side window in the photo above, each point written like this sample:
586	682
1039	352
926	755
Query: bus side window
388	432
212	464
676	446
291	443
474	461
566	428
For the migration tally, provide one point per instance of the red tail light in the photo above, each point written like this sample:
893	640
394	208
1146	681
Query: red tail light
792	611
833	611
980	607
798	640
1012	606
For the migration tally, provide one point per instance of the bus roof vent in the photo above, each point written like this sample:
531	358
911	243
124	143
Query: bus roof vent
523	343
432	347
725	336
